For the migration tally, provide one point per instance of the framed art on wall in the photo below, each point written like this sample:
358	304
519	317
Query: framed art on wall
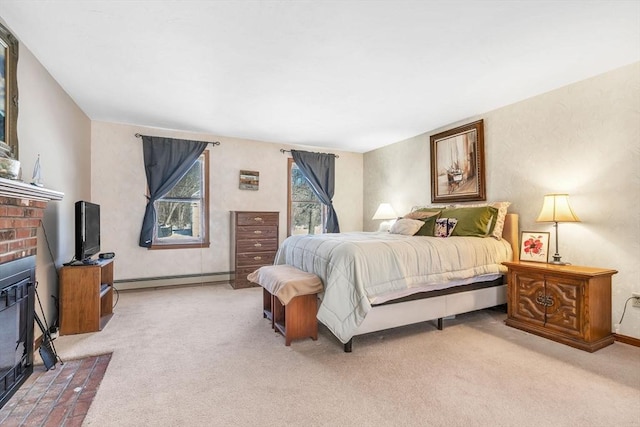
249	180
534	246
457	164
8	94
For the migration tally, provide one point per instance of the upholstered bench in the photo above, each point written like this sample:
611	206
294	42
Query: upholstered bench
289	300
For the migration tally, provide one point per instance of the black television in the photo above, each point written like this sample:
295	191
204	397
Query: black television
87	230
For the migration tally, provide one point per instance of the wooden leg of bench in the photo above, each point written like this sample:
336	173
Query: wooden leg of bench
267	305
297	319
300	318
279	314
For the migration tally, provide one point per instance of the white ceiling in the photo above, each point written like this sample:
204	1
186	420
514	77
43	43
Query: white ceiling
351	75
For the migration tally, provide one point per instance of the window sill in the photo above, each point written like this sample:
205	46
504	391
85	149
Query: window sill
193	245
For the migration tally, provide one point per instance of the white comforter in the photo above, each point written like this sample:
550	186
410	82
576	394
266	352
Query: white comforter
358	267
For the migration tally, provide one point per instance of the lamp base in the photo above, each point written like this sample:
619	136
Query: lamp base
385	226
557	260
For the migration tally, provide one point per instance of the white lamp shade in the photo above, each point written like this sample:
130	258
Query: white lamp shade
385	211
555	208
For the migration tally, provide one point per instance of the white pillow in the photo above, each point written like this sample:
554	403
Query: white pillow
406	226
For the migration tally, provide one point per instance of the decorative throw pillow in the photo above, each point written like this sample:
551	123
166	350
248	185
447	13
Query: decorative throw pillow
428	219
406	226
444	227
428	227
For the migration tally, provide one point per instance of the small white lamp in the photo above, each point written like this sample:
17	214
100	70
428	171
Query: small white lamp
385	212
555	208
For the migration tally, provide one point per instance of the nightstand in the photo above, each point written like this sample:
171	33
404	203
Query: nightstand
565	303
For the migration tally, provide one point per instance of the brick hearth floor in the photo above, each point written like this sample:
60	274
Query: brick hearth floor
58	397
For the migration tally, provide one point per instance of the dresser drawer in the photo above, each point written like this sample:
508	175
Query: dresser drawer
242	273
257	232
257	218
256	245
255	258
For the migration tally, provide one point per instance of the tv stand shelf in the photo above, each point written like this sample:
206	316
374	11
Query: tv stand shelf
86	297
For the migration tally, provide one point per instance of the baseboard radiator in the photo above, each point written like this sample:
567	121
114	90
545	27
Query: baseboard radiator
176	280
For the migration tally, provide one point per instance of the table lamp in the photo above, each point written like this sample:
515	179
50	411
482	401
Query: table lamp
385	212
555	208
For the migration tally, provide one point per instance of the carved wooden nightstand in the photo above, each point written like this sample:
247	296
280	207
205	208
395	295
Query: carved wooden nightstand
566	303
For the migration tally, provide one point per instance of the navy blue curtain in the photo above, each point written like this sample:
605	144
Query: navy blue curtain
320	171
166	161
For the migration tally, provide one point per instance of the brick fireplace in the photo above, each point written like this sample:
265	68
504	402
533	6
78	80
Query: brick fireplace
21	209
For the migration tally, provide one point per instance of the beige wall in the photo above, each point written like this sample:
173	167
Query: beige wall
583	139
51	124
119	186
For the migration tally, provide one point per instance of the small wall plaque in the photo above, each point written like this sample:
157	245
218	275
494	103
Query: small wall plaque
249	180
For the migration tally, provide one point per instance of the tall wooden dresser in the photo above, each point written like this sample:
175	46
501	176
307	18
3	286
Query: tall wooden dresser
254	243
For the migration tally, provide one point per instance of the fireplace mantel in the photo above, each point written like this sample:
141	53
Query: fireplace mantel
22	190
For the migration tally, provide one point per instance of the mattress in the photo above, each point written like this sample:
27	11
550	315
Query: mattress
360	269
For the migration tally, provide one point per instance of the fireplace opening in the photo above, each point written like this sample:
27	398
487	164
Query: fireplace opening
17	290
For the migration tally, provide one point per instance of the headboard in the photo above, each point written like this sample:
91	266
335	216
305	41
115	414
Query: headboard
510	233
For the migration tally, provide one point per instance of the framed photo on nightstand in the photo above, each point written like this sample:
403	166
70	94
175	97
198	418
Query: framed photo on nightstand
534	246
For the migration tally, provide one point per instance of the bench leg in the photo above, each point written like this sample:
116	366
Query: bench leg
267	305
297	319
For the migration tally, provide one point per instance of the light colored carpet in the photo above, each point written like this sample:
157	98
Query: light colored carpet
204	356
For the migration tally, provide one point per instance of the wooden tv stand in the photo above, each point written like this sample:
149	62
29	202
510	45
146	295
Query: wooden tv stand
86	297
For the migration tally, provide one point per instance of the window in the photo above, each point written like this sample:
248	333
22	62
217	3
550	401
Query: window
182	214
306	214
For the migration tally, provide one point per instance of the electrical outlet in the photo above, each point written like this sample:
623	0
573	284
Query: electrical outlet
636	299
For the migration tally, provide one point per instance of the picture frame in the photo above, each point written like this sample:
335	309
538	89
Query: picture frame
534	246
457	164
8	93
249	180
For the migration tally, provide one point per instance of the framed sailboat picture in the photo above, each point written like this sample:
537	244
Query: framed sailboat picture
457	164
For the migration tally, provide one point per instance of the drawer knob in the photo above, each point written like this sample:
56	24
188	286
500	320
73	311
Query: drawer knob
257	218
257	245
257	232
257	258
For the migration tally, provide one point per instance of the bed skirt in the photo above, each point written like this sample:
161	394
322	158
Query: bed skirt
433	305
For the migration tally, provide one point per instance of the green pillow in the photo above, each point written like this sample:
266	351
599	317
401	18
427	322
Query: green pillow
476	221
429	226
429	209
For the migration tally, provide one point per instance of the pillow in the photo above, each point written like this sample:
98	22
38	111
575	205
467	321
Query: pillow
429	208
406	226
498	222
472	221
429	219
444	227
429	224
422	214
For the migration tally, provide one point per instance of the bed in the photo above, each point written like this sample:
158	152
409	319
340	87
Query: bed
377	280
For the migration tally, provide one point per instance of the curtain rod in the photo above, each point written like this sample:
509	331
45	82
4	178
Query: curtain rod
214	143
282	150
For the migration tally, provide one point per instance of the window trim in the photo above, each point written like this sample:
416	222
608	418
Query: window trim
205	243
